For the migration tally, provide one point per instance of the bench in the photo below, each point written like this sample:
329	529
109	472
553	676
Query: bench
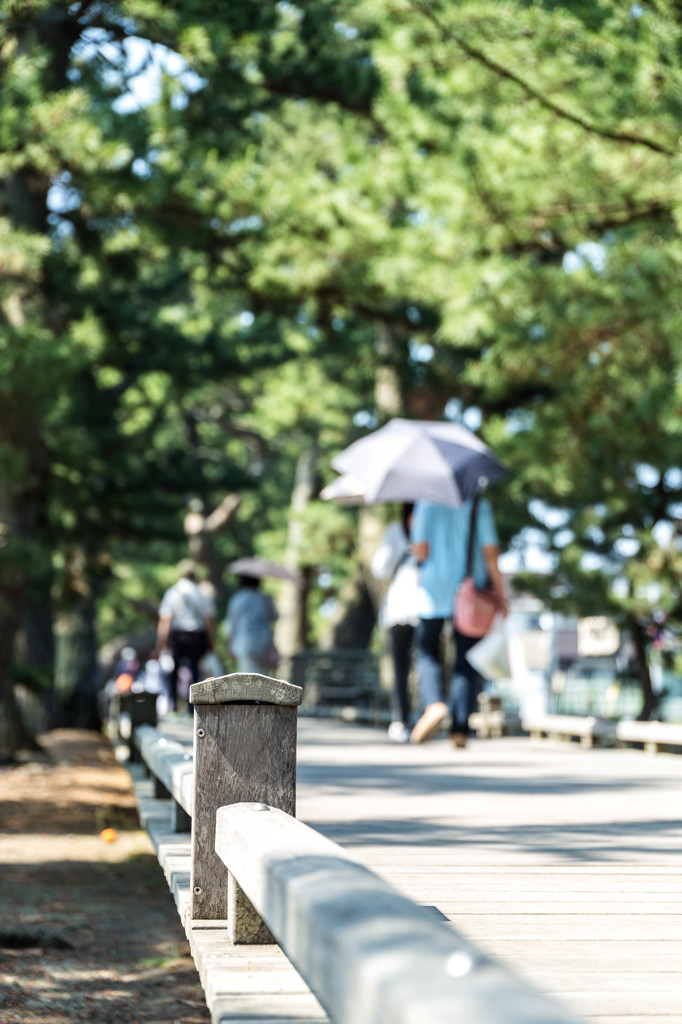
342	680
259	891
591	731
654	736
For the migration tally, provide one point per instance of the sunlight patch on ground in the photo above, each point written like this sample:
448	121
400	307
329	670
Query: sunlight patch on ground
47	848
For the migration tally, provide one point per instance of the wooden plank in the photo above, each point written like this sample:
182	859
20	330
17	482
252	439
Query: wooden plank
461	827
172	770
628	1019
249	981
538	927
638	982
608	957
540	905
481	881
283	1008
239	979
660	1004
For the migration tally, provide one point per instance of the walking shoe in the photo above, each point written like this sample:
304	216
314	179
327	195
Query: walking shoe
398	733
458	739
429	722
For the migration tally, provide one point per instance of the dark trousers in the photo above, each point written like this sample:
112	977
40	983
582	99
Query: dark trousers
471	683
401	649
466	682
188	646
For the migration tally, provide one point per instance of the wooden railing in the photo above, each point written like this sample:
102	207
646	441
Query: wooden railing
369	954
589	730
654	736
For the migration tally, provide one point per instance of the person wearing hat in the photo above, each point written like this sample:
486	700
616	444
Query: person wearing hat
186	625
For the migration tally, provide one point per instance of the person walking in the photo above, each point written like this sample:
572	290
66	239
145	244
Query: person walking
440	536
186	625
248	623
398	614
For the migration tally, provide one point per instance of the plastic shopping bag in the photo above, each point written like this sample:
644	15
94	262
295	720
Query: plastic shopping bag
490	655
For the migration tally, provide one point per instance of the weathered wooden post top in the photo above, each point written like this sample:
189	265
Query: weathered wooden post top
244	752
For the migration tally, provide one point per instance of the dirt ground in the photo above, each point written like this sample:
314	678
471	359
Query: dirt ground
88	929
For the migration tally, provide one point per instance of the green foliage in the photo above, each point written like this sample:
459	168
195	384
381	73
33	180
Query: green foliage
565	303
197	285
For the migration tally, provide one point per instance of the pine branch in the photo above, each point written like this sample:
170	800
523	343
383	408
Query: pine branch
628	138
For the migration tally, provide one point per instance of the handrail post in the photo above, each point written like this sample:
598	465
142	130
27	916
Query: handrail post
142	710
244	751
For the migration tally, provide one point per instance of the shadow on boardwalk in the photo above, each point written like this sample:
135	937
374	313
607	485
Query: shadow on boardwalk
517	799
578	842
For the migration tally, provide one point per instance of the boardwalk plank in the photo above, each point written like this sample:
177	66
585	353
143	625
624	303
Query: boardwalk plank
564	863
538	927
665	983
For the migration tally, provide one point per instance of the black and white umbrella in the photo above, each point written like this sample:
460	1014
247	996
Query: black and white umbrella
345	490
257	568
419	460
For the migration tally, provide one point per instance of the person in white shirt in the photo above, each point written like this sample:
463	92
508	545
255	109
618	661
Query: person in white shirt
186	625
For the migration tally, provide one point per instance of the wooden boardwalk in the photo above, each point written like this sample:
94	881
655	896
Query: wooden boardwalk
563	862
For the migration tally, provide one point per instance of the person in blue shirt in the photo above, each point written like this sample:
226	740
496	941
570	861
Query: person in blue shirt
248	622
439	538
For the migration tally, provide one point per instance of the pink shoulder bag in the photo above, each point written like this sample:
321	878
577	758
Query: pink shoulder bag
474	610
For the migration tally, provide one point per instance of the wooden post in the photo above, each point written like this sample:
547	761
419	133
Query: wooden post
244	752
245	926
141	707
180	819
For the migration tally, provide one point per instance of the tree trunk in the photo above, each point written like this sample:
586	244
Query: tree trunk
649	699
21	497
14	736
389	400
74	703
34	648
356	614
291	633
75	690
25	460
353	624
201	531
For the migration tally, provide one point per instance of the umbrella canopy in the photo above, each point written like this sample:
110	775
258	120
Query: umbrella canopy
420	460
345	490
259	567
